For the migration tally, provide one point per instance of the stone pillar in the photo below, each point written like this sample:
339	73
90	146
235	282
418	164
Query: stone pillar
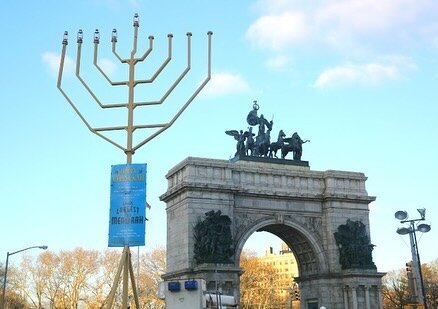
379	297
367	297
353	297
345	289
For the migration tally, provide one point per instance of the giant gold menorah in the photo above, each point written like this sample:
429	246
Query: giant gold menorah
125	264
131	83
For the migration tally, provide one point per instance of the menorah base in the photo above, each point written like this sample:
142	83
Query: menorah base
125	265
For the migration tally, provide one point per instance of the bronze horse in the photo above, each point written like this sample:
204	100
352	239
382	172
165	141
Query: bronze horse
293	144
275	146
250	144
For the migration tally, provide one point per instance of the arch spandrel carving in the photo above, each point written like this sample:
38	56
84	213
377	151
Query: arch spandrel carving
313	224
243	222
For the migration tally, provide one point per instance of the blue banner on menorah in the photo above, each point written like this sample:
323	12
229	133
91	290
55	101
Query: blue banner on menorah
127	219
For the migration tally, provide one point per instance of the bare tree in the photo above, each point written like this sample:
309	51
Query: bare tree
152	266
77	268
35	281
49	264
14	298
430	275
26	282
16	301
2	273
395	290
103	279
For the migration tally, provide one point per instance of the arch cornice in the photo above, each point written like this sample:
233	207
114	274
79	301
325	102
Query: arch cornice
268	180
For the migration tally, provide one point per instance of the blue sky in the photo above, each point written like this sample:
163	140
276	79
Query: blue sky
355	77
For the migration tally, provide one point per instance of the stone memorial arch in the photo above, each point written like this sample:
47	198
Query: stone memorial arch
214	206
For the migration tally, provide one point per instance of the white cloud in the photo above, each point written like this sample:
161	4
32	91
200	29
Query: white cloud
372	23
277	31
343	23
362	29
278	62
107	66
369	74
363	15
52	60
225	83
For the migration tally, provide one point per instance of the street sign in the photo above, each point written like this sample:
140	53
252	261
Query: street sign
127	220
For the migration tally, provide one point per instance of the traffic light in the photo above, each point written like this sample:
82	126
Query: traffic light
297	295
412	282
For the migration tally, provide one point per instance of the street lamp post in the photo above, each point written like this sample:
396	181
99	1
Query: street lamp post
416	264
6	269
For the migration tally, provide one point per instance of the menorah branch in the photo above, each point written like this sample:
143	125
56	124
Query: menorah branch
162	66
121	83
134	42
93	95
114	43
148	51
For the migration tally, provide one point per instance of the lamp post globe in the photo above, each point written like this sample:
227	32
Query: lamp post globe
403	231
401	215
424	228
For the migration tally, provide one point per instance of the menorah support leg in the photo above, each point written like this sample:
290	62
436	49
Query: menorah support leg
133	283
125	265
112	293
125	257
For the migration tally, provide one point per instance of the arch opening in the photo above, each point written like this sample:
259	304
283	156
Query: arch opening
298	243
304	244
269	271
